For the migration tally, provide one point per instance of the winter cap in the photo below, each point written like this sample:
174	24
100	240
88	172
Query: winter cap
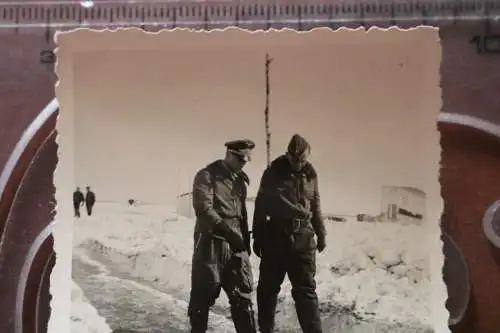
298	145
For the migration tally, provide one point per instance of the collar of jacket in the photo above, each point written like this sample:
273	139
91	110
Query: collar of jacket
281	164
220	167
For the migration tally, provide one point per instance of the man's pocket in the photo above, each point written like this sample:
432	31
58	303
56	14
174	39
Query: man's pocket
206	263
241	272
304	241
204	273
205	249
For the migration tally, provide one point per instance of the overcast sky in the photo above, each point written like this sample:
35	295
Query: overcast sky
146	121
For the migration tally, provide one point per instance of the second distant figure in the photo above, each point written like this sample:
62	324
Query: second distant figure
89	200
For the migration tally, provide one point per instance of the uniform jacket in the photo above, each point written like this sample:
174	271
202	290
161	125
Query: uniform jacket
90	198
78	198
219	196
285	196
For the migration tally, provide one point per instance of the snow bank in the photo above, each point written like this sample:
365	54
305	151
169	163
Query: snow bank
127	228
376	271
380	270
84	317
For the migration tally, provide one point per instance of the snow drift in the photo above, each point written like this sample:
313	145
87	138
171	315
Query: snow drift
370	272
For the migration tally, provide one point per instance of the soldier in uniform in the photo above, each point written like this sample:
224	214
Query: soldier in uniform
89	200
288	229
221	256
78	199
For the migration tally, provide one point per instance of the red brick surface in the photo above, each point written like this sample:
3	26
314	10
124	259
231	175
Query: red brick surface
471	163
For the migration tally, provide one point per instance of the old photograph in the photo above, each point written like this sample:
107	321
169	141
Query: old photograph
230	181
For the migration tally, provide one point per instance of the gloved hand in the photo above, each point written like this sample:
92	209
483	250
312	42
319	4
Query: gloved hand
321	244
235	241
305	214
257	248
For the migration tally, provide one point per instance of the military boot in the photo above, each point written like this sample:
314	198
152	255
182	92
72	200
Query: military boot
198	321
243	318
267	312
266	329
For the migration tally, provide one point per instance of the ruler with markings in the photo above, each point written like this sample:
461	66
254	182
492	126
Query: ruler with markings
21	17
171	14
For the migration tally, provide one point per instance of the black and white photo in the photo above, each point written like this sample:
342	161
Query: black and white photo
244	182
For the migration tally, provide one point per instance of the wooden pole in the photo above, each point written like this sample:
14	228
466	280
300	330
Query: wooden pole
266	112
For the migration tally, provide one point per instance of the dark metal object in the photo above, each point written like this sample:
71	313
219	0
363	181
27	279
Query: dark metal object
491	224
456	274
479	124
34	284
26	209
491	218
21	158
456	277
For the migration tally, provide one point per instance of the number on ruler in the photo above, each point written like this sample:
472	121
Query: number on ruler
486	44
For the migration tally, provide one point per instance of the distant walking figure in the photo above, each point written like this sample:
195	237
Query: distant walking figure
78	200
89	200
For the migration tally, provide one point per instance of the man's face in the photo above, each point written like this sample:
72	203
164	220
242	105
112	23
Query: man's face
297	162
238	161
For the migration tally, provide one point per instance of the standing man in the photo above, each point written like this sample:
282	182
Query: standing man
89	200
78	200
222	240
287	218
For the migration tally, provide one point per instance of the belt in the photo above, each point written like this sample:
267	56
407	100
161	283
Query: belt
291	226
231	216
299	224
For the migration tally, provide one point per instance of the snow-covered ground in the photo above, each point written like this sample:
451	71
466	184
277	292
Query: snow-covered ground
84	317
372	277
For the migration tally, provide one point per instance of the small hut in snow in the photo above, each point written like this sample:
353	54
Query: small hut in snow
185	205
403	204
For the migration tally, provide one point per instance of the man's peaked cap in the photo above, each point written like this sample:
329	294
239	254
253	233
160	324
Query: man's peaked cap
240	146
